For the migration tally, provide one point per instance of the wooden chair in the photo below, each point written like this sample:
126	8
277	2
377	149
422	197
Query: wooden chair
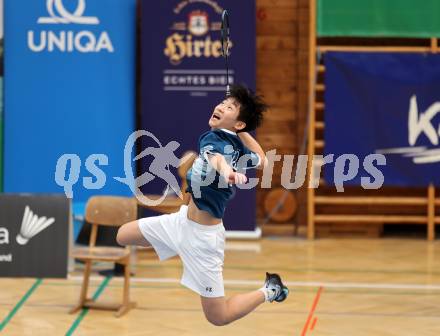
172	203
106	211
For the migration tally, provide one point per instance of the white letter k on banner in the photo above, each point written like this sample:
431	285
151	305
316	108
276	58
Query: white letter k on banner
417	125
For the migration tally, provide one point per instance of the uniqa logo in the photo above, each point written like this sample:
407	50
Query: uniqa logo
83	41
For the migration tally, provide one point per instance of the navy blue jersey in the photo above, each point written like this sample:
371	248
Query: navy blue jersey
209	190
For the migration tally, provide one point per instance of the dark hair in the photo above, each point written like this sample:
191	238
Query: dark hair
252	106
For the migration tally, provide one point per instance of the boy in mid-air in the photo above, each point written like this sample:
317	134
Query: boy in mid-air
196	232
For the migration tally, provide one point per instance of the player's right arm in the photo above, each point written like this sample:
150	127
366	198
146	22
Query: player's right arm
212	148
218	162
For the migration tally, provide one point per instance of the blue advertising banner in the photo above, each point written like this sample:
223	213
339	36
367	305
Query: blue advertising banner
389	104
69	89
183	77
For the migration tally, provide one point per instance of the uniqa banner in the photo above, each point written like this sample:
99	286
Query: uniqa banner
69	89
183	78
34	235
388	104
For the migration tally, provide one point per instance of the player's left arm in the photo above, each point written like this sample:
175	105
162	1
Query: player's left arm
252	144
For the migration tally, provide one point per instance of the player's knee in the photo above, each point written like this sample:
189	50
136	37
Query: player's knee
218	321
121	237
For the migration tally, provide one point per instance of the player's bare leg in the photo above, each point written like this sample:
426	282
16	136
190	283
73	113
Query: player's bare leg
222	311
130	234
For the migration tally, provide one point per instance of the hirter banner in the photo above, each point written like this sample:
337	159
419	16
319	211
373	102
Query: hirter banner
183	78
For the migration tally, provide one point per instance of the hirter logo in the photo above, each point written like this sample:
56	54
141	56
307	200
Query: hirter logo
198	23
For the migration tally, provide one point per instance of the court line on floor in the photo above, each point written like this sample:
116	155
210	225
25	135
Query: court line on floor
312	311
245	287
20	303
287	283
283	312
104	265
84	311
303	270
149	308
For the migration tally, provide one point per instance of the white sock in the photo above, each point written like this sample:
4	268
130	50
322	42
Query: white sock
266	293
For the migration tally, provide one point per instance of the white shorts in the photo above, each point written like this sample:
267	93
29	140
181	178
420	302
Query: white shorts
201	248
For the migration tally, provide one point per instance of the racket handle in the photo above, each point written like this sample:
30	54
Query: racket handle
228	90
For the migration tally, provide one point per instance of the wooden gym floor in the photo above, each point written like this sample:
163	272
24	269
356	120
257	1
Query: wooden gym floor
338	287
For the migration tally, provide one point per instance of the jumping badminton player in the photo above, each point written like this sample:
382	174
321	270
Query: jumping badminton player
196	232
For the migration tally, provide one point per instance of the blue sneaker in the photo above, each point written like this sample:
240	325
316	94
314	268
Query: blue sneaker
276	290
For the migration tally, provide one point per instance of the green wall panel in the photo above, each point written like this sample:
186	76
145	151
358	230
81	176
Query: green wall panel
375	18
